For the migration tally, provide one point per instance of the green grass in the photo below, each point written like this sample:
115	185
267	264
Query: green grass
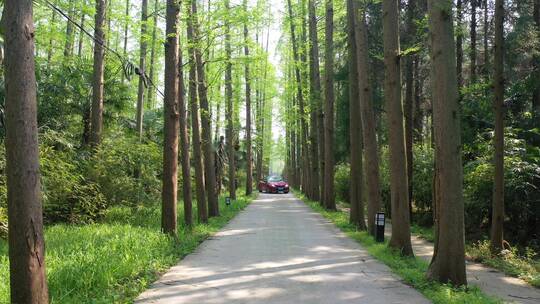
524	265
116	259
411	270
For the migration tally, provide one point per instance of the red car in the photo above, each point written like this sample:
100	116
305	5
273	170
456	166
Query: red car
273	184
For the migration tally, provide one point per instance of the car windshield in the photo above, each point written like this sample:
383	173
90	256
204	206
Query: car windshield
274	179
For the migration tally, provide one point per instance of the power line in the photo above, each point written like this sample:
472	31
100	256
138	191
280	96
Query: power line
127	65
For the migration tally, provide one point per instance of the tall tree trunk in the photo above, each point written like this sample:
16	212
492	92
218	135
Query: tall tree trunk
98	78
371	151
151	89
300	96
408	105
459	42
486	38
195	121
229	111
536	63
171	121
81	33
142	69
311	188
448	263
497	218
52	29
401	235
68	44
472	53
316	100
28	281
249	157
209	169
184	146
329	197
126	32
356	172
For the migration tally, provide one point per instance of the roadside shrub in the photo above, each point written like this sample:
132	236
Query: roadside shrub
522	195
341	182
127	172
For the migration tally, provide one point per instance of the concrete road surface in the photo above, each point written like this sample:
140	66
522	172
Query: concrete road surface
280	251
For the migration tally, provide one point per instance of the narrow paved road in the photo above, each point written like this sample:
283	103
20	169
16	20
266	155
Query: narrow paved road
279	251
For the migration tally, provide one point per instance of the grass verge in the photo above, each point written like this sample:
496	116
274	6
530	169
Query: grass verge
524	265
411	270
115	260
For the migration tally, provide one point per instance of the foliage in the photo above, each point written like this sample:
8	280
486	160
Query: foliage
341	182
114	260
411	270
522	181
127	172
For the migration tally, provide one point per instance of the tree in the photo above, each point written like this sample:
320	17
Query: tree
316	101
329	195
209	170
355	121
410	35
459	42
497	218
536	93
472	52
195	120
448	263
81	33
142	68
26	243
401	235
184	148
151	77
229	111
99	71
249	157
300	99
171	123
369	136
70	35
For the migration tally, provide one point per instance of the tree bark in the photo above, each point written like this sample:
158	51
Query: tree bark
249	157
329	196
401	235
209	169
316	100
472	52
448	263
142	69
98	78
369	135
28	281
195	121
355	121
171	121
497	218
184	146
